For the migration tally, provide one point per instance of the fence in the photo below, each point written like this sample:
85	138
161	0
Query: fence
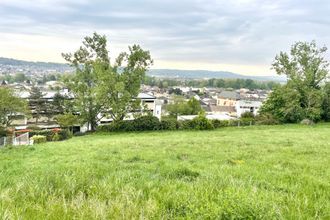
22	139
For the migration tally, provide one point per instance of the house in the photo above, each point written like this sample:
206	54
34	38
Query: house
227	98
252	106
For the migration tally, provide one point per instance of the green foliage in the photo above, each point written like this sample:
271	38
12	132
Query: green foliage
67	120
65	134
146	123
201	122
306	69
56	137
3	132
182	107
37	103
38	139
248	115
266	119
326	103
168	124
10	105
61	134
100	87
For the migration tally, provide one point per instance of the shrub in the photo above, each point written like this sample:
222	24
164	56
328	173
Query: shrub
56	137
37	139
218	123
187	124
201	123
246	121
48	133
266	119
146	123
247	115
64	134
168	124
3	132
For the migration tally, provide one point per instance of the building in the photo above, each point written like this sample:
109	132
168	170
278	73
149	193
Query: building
252	106
227	98
151	104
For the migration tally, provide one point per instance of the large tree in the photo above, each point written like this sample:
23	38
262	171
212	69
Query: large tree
306	69
100	88
10	106
37	103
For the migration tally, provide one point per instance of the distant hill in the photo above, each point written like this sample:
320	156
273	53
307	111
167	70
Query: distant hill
202	74
14	62
164	73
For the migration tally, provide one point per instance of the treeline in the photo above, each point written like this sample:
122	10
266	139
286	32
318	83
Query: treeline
21	77
215	83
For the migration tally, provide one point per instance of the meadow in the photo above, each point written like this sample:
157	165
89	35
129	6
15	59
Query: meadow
258	172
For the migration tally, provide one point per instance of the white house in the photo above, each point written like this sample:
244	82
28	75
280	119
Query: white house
252	106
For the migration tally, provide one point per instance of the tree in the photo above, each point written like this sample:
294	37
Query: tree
10	106
58	103
37	103
183	107
84	83
326	102
120	85
101	88
67	120
194	106
306	69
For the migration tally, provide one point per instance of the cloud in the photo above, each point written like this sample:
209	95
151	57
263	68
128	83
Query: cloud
242	35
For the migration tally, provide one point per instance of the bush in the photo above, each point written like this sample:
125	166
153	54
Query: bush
146	123
38	139
56	137
219	124
201	123
48	133
117	126
168	124
3	132
247	115
187	124
266	119
64	134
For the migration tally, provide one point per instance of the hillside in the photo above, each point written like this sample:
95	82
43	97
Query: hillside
266	172
202	74
163	73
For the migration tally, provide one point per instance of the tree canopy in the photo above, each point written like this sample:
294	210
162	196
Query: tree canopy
102	89
10	106
307	71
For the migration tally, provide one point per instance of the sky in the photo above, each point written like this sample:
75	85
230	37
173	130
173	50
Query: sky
241	36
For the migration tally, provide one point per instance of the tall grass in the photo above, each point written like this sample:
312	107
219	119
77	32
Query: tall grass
274	172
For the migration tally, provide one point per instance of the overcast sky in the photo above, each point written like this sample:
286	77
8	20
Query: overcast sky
241	36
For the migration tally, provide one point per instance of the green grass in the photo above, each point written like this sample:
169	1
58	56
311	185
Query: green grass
262	172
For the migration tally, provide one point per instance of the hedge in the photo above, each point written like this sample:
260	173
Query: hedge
38	139
62	134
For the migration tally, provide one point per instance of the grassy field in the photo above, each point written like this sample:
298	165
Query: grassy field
266	172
